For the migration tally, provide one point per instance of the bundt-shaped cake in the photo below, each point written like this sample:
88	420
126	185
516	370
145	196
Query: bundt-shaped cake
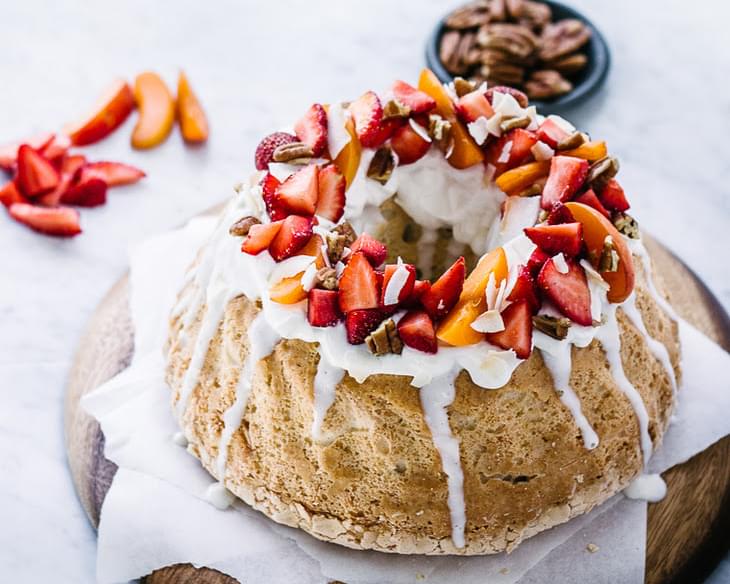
425	325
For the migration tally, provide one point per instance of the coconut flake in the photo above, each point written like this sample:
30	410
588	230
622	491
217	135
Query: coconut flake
395	284
478	129
309	278
339	268
560	264
542	151
594	275
488	322
506	150
419	129
562	123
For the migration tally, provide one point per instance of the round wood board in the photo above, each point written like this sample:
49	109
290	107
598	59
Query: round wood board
686	532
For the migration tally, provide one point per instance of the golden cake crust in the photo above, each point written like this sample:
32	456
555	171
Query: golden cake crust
376	480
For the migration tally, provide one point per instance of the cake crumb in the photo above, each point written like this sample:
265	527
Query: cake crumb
592	548
504	571
420	576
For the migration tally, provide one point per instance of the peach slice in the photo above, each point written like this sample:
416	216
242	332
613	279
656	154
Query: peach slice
288	290
156	111
590	151
466	153
107	115
514	181
456	329
349	158
595	229
314	248
190	114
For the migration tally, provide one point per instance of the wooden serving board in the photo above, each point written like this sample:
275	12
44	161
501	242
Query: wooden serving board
686	532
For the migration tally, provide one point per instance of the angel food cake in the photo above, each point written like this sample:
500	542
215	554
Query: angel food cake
427	325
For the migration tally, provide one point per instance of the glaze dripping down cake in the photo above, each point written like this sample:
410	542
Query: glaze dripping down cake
426	325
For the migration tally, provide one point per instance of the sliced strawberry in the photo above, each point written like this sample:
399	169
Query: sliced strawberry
416	330
312	129
265	149
420	287
367	112
405	283
371	248
9	152
473	106
444	292
323	308
408	144
524	289
537	261
294	234
60	221
517	333
331	198
589	198
566	238
269	184
298	193
113	173
35	174
569	292
360	323
358	285
10	194
613	197
56	148
260	237
559	214
418	101
511	150
550	133
85	192
70	165
567	175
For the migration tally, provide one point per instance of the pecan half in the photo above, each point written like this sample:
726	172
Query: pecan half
569	64
462	86
514	39
326	278
439	130
292	152
394	109
382	165
546	83
556	328
448	49
562	38
609	256
626	225
514	123
572	141
241	227
602	170
469	16
384	339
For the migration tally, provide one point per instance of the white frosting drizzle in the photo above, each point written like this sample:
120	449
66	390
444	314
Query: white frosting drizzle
436	397
610	339
261	341
657	349
325	383
218	496
647	487
638	249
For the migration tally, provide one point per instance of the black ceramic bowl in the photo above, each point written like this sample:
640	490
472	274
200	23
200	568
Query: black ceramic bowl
585	84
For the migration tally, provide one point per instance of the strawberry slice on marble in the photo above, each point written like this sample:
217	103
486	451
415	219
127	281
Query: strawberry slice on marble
418	101
36	175
473	106
323	308
298	194
113	173
416	330
569	292
567	175
367	113
86	191
589	198
401	287
9	152
566	238
311	129
10	194
59	221
613	197
517	333
443	294
551	133
360	323
371	248
331	197
260	237
294	234
359	288
409	144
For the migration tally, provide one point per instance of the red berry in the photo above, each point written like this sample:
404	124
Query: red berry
312	129
59	221
567	175
613	196
517	333
566	238
260	237
265	149
418	101
371	248
358	285
331	199
406	286
408	144
360	323
416	330
568	292
294	234
36	175
323	308
444	292
299	192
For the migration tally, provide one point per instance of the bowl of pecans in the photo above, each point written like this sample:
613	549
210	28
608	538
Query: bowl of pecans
546	49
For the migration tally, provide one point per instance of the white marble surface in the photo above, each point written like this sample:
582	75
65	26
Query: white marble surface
665	112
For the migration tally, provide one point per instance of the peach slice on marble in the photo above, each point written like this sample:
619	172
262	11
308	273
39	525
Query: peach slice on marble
190	114
107	115
156	111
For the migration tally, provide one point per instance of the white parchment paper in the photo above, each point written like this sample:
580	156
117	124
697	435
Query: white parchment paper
155	513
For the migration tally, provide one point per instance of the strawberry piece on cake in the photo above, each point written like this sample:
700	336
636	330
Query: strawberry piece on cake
265	150
589	198
568	291
550	133
269	184
298	194
331	198
418	101
613	197
517	333
360	323
416	330
312	129
323	308
408	144
444	292
260	237
567	175
472	106
294	234
524	289
398	282
371	248
359	287
566	238
371	129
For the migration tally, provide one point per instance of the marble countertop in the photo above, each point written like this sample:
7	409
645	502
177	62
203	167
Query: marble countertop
256	65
